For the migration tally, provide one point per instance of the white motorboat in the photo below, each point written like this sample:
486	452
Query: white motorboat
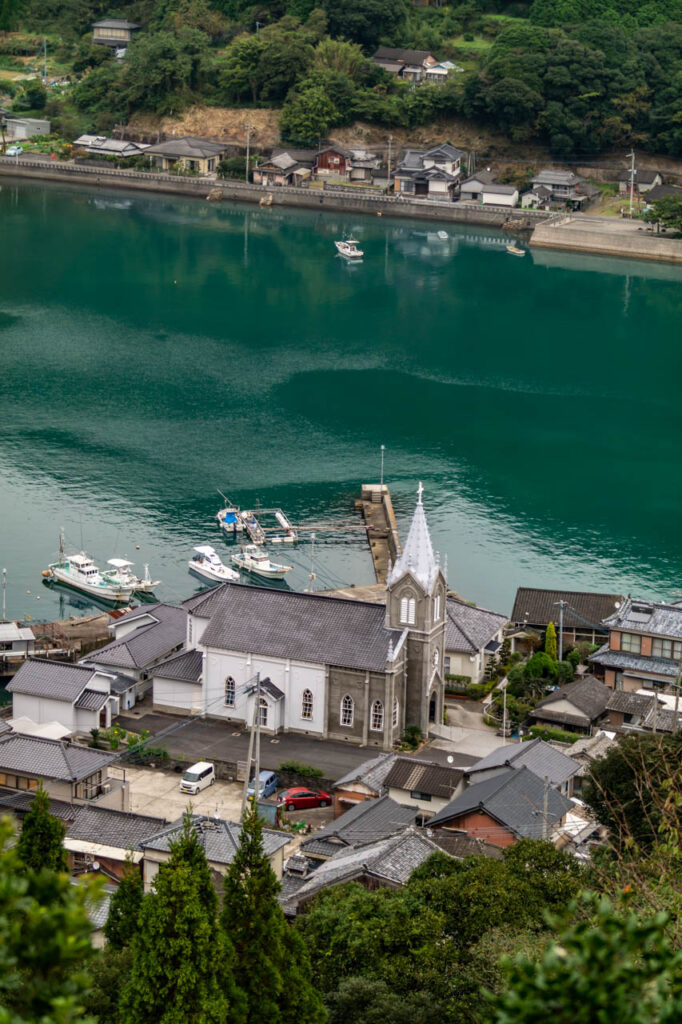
254	559
81	573
443	235
121	572
206	563
514	250
349	249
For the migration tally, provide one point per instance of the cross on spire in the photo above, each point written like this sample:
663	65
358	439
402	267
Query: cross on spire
420	491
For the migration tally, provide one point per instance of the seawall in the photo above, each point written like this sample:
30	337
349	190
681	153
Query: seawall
237	191
606	237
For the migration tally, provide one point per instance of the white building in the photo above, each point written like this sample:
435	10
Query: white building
499	195
16	642
80	698
473	636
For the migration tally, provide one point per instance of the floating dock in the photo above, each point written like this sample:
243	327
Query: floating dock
382	530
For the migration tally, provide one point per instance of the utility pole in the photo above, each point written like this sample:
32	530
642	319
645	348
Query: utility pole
4	595
632	180
383	449
312	575
504	713
545	809
388	189
249	130
45	62
254	728
259	24
561	605
678	682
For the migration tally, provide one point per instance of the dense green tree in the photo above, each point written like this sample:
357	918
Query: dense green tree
346	58
299	1000
365	21
163	70
628	789
9	15
109	972
613	967
240	72
124	908
41	843
307	117
550	641
44	941
363	1000
667	212
182	962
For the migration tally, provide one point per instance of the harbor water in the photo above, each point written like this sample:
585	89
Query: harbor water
155	349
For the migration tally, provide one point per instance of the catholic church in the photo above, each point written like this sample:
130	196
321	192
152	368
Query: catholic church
326	666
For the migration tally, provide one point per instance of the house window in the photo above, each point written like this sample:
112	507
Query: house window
671	649
263	711
377	719
396	712
230	692
631	642
416	795
307	704
347	711
436	608
446	665
189	631
408	607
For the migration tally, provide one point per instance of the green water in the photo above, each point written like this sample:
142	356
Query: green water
155	349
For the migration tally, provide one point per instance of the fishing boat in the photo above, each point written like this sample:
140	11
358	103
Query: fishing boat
514	250
121	572
229	520
205	562
80	572
349	249
443	235
254	559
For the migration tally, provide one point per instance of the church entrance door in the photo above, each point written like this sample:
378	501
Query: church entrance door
432	709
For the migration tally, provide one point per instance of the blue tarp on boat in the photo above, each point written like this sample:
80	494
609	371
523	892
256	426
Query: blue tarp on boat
229	517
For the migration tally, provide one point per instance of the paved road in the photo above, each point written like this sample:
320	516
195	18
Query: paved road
198	740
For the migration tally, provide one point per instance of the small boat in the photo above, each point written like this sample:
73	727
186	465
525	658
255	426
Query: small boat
229	520
443	235
254	559
513	250
207	564
349	249
80	572
121	572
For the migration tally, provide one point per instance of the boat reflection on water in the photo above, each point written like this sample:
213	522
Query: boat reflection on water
85	603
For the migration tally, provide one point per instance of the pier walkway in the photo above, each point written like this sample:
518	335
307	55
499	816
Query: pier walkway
382	530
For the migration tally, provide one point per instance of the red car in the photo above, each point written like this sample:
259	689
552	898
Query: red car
299	797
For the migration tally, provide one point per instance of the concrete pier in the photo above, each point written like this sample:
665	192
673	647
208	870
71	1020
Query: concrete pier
607	236
382	530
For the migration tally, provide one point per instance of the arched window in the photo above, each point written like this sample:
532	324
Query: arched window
307	704
347	711
436	608
230	692
396	711
377	719
263	710
408	607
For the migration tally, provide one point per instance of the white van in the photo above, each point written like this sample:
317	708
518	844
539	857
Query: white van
198	777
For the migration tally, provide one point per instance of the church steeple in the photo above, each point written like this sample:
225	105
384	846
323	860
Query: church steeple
417	556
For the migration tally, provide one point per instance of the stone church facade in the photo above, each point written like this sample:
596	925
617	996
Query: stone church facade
345	670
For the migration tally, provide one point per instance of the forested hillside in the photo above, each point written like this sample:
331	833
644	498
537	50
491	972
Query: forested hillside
579	76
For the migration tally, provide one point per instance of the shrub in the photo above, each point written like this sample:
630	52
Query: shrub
412	737
544	732
297	768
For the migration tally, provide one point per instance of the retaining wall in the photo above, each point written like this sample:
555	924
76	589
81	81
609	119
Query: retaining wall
634	244
236	191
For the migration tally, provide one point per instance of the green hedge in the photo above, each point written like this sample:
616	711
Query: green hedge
546	733
297	768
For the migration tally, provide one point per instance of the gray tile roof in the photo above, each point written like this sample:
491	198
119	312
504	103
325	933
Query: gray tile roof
219	838
390	860
306	627
424	777
91	700
536	755
444	152
549	177
402	55
194	149
515	799
20	804
39	677
642	177
589	695
186	666
203	603
664	720
585	609
636	663
148	643
486	177
370	773
4	726
469	629
591	748
120	829
367	821
459	845
114	23
660	191
630	703
500	190
647	617
50	759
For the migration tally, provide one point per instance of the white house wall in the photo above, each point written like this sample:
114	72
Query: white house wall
173	693
43	709
291	677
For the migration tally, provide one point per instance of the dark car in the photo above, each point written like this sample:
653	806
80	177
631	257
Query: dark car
299	797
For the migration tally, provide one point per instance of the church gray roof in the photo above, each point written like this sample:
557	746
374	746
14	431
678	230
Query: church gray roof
417	556
306	627
149	642
186	667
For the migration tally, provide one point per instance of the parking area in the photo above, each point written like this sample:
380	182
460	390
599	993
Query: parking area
156	792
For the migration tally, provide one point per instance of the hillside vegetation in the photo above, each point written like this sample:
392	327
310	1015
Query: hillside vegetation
577	76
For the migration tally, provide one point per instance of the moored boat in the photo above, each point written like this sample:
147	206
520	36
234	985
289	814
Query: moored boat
254	559
80	572
121	573
349	249
205	562
229	520
514	250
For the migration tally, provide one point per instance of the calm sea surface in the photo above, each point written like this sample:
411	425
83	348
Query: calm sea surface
153	350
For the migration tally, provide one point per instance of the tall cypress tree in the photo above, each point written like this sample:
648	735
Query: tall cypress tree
550	641
253	920
124	909
181	971
41	841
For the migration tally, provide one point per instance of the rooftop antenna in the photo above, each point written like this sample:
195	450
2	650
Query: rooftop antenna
383	449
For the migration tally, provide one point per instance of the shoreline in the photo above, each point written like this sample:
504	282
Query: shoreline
242	192
602	236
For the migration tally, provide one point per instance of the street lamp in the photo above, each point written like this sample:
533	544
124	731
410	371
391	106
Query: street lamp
249	132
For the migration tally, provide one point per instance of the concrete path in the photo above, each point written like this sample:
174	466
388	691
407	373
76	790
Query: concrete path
465	732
